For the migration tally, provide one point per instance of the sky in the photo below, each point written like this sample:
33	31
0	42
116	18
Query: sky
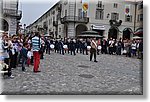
33	9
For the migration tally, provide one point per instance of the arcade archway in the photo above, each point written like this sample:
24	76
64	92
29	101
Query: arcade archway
5	25
80	28
113	33
65	30
127	33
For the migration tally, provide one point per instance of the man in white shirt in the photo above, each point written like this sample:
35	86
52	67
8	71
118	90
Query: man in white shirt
36	44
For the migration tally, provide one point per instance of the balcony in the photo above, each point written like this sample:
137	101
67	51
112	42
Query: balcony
75	19
55	23
12	13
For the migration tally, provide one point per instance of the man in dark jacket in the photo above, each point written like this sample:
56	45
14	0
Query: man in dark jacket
61	49
24	52
72	46
141	48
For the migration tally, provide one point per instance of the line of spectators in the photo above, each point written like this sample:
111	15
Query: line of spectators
24	50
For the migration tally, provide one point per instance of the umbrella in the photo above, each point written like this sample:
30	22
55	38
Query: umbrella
137	37
139	31
90	34
1	31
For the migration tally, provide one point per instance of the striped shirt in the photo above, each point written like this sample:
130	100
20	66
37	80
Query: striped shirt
35	43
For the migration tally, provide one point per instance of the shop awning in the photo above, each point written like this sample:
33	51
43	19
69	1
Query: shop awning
138	31
98	27
137	37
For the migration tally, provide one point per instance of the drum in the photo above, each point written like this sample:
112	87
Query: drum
99	47
52	46
65	47
88	48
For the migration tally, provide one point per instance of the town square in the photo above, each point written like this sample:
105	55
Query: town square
75	47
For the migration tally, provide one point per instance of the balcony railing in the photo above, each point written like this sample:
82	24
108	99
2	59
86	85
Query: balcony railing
76	19
12	13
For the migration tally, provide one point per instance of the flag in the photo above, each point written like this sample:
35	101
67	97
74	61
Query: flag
85	7
127	9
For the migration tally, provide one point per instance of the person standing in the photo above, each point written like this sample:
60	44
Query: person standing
73	46
36	44
61	49
141	49
24	53
84	46
47	44
42	46
6	49
133	48
93	50
104	46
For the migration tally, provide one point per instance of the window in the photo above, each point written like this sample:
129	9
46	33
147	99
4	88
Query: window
140	6
99	14
80	13
65	12
115	16
53	18
65	2
128	18
59	29
115	5
140	17
99	4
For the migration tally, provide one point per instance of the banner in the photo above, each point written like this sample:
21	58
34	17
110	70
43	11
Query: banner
85	7
127	9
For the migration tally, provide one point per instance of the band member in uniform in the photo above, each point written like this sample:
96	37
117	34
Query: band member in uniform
93	50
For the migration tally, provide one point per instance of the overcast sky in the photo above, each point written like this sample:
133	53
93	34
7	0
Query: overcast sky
33	9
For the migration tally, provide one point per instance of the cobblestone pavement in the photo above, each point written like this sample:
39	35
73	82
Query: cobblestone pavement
69	74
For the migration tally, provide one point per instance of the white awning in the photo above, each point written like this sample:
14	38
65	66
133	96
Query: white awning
98	27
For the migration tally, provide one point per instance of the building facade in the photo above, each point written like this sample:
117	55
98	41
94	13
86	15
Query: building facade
139	19
68	18
10	16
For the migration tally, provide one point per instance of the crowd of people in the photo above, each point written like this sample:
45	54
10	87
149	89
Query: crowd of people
28	50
